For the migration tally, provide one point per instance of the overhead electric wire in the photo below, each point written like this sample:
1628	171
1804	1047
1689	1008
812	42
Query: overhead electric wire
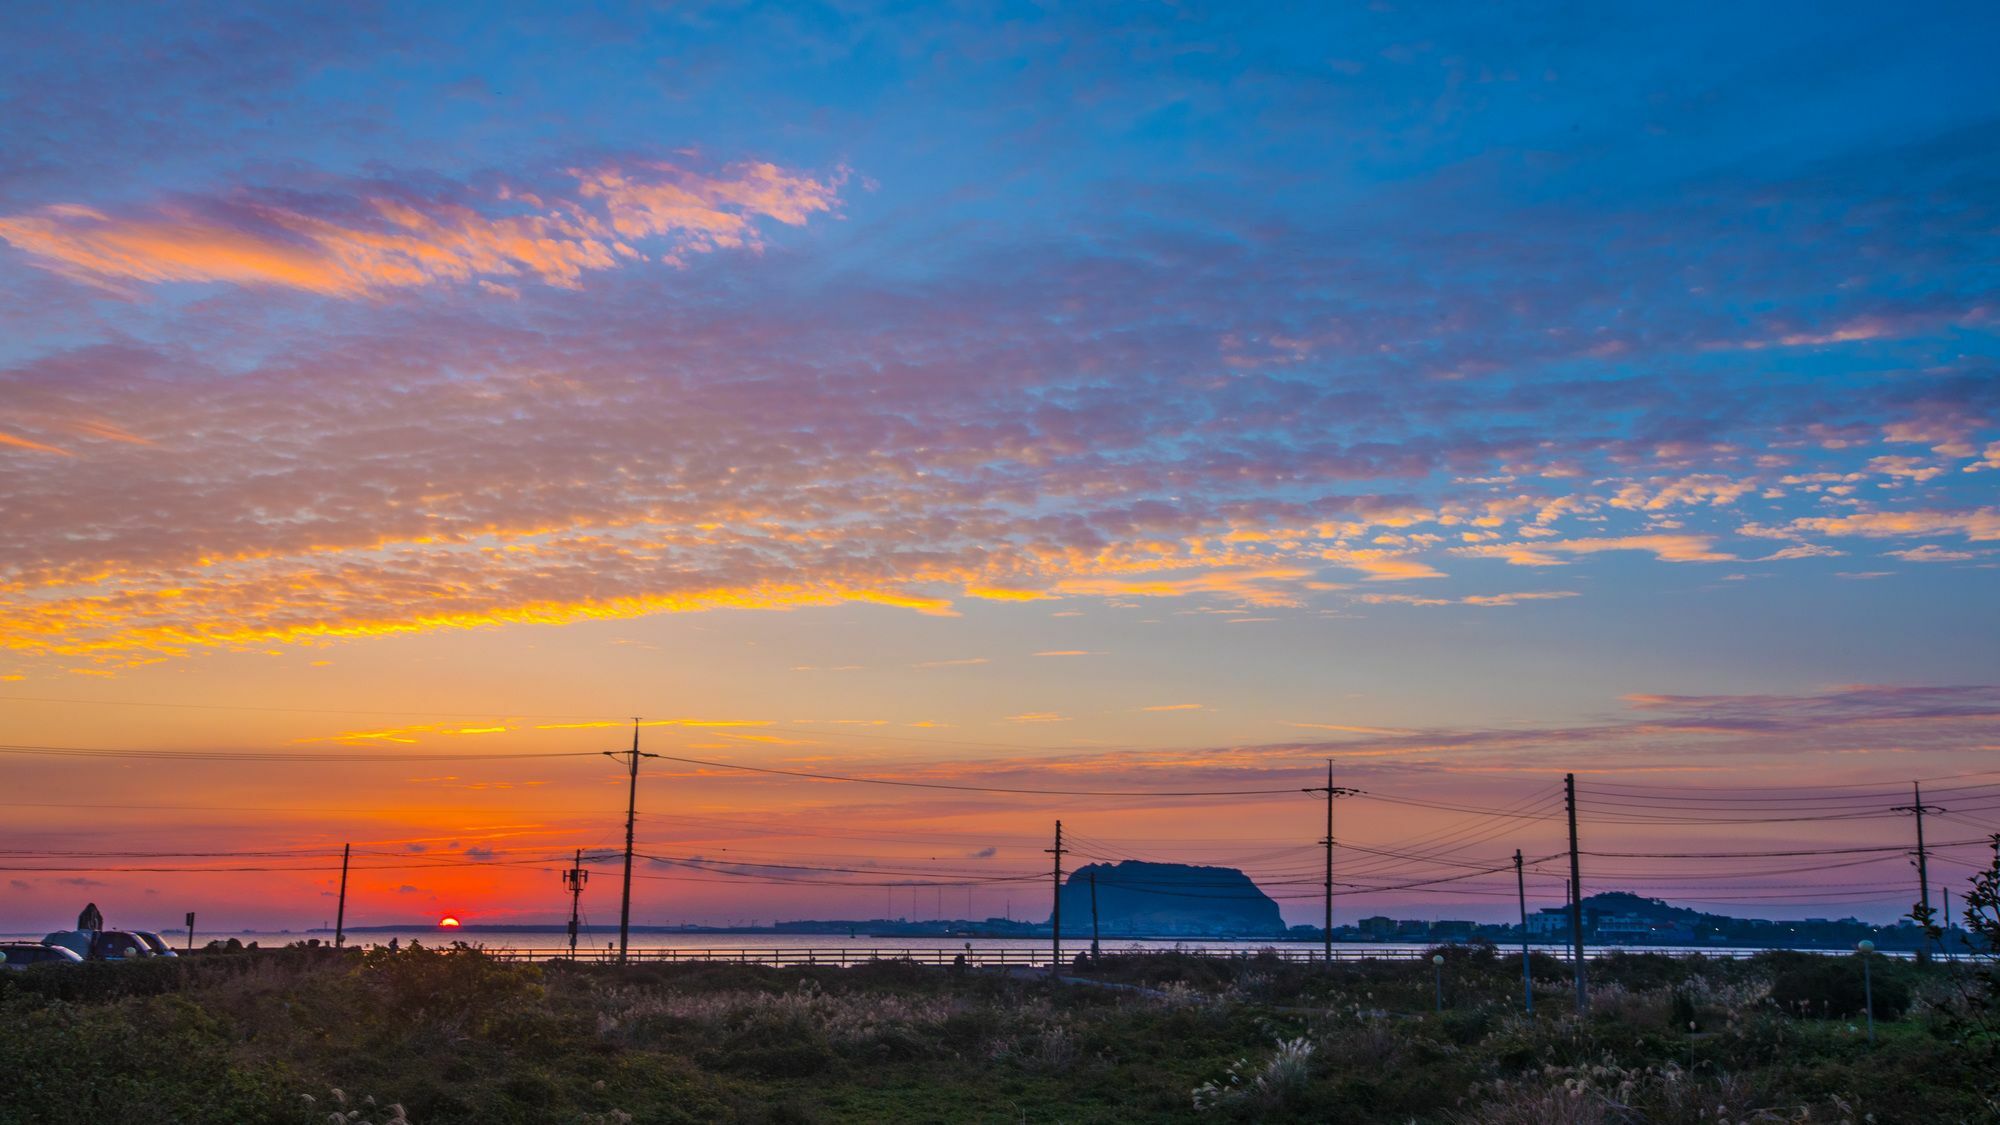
959	787
705	862
1780	854
287	755
1407	866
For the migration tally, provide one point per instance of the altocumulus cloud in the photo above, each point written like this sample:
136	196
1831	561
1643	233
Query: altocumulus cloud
377	236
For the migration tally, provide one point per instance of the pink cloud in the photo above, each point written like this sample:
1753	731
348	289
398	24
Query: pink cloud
32	445
1977	524
1667	548
384	241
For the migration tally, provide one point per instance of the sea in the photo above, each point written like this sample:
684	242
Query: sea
792	948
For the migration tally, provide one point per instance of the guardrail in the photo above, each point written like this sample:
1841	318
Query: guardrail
995	956
1018	956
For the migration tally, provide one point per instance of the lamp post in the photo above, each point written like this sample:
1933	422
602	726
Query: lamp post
1867	949
1437	962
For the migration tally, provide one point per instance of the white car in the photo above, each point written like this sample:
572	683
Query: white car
156	944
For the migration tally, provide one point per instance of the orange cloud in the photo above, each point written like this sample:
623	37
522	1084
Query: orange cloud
1667	548
1003	594
36	446
1253	586
1383	566
1976	524
390	243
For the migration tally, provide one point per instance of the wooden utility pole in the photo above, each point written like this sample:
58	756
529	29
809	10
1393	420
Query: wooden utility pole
340	914
1575	892
1917	808
1055	914
1329	791
1521	892
1093	918
574	879
631	815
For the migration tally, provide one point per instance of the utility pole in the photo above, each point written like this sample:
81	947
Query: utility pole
340	915
1947	924
631	814
1575	892
1329	791
1521	892
1093	918
574	879
1055	914
1917	808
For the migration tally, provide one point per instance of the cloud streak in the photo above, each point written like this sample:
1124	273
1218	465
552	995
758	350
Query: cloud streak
371	238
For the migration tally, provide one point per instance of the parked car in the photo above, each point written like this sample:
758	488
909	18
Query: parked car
101	945
21	954
156	943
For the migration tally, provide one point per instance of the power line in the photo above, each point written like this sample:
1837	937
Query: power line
343	757
902	783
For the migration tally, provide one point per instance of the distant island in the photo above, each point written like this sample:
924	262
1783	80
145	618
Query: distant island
1174	900
1138	899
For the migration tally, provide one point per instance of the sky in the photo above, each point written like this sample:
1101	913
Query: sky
397	400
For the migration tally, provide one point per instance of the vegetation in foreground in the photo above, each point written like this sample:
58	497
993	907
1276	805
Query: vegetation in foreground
431	1037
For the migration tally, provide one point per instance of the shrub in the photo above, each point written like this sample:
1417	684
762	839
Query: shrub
1641	972
1278	1083
1831	987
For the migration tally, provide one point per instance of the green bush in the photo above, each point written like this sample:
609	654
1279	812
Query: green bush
1831	987
457	1037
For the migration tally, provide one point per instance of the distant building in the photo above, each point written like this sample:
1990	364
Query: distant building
1549	922
1452	930
1379	928
1621	927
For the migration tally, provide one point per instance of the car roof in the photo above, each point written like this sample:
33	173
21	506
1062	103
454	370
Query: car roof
56	951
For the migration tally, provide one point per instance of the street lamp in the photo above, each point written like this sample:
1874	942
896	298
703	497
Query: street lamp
1437	961
1867	948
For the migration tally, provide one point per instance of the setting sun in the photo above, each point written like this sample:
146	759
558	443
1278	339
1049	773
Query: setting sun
447	923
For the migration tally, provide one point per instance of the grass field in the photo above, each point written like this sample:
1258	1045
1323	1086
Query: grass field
301	1035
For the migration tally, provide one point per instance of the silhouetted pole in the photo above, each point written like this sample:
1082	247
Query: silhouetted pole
1918	809
1521	892
1331	791
575	878
340	913
1327	921
1055	913
1947	924
631	814
1866	949
1575	892
1437	962
1093	917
